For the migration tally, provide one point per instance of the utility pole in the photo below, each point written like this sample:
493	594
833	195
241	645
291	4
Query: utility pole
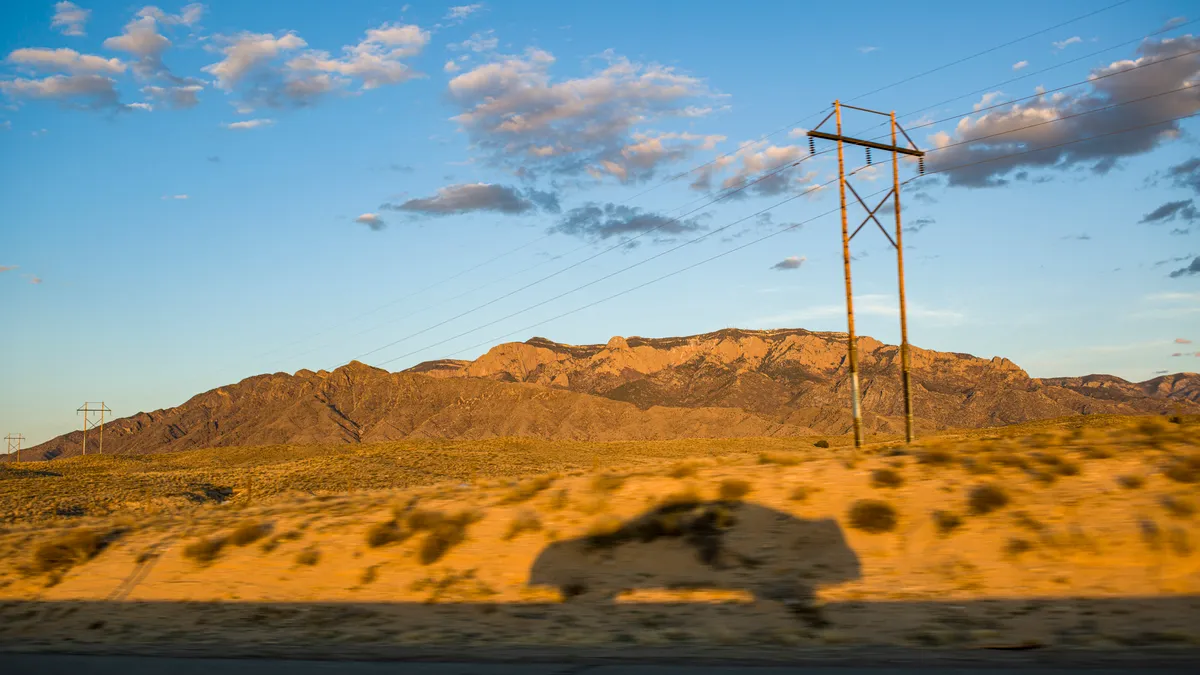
87	411
15	442
897	243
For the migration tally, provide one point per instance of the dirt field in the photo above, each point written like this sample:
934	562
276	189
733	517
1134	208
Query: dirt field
1078	533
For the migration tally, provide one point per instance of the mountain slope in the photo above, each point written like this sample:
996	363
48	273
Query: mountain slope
728	383
799	376
357	403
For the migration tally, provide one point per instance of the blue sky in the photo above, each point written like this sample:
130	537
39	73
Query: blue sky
196	194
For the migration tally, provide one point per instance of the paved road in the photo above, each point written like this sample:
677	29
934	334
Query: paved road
54	664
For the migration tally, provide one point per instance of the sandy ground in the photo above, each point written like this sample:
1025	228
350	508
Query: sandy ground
1071	561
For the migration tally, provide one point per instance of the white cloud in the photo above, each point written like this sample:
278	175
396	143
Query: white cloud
188	16
462	11
1019	65
172	197
250	124
86	91
67	60
867	50
511	108
485	41
175	97
69	18
376	60
789	263
644	154
451	67
140	106
6	125
1063	44
1027	125
750	163
247	51
371	220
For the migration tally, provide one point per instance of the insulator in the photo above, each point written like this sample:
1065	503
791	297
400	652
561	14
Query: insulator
868	157
921	165
812	146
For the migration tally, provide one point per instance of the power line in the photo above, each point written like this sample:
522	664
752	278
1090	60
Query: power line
775	234
1043	70
760	239
692	170
621	244
989	50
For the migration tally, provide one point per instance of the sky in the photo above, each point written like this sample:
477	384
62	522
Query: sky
198	193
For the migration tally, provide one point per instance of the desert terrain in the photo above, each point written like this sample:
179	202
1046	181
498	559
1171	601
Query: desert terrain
1073	533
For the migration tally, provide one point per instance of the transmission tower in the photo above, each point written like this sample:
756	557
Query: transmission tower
897	243
14	444
88	423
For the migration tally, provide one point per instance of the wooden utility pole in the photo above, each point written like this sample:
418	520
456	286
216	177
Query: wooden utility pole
87	411
897	243
15	442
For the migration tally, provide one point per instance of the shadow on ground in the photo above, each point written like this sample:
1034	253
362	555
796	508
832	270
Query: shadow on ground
778	561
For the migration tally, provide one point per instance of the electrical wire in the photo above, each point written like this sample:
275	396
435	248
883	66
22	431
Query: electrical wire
789	228
692	170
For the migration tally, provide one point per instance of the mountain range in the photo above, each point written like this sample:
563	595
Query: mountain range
728	383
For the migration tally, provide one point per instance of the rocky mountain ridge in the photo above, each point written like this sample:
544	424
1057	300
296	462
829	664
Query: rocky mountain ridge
787	382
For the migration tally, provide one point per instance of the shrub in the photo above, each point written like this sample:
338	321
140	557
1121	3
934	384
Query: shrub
382	534
1092	452
1178	506
607	482
946	521
886	478
73	548
983	499
733	489
444	533
1010	460
872	516
683	470
977	466
1152	427
1183	469
528	489
248	532
308	557
525	521
935	457
1016	546
204	551
558	502
1130	482
781	458
1028	522
688	495
822	443
799	493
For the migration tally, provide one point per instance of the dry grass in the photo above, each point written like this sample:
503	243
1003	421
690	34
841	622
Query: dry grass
249	532
528	489
946	522
780	458
68	550
1131	481
607	483
308	557
871	515
886	478
733	489
525	521
1180	507
205	551
984	499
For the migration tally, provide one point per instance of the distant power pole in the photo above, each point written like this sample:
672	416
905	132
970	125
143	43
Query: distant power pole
897	243
87	411
15	442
